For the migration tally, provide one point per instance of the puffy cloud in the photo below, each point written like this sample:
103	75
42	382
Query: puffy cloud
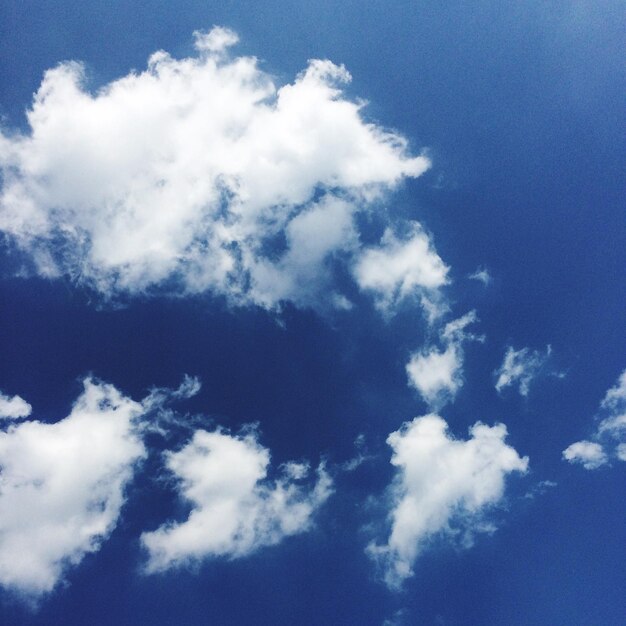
403	267
436	373
62	486
521	367
199	174
611	431
14	407
442	486
235	508
588	453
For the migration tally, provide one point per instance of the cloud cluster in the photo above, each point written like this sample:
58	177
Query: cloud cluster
610	432
62	486
442	485
13	407
235	508
199	174
437	373
520	367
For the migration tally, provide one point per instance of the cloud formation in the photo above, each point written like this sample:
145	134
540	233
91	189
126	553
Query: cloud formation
442	486
521	367
403	267
437	373
13	407
236	509
62	486
200	174
610	432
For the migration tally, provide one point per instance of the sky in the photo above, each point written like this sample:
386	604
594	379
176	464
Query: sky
312	313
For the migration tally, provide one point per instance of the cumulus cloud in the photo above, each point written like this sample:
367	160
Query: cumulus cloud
610	431
62	486
402	267
437	373
200	174
443	486
13	407
521	367
235	508
588	453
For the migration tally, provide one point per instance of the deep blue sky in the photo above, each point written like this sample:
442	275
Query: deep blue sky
521	110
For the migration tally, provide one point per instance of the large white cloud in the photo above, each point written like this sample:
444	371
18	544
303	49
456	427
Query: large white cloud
442	486
200	174
437	373
62	486
610	432
236	509
13	407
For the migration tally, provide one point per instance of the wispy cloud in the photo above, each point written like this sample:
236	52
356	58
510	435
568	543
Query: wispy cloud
482	275
521	367
610	432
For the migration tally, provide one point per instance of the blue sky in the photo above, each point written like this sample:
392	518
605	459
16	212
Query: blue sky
289	341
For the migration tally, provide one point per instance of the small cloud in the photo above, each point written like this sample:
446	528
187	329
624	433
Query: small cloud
13	408
215	40
521	367
481	275
610	432
437	373
539	489
401	268
588	453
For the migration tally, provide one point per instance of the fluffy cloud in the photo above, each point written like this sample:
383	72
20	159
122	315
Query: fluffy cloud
436	373
588	453
62	486
403	267
442	485
235	508
199	174
611	431
12	408
521	367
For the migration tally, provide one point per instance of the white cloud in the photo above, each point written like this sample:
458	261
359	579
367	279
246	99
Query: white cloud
588	453
481	275
62	486
14	407
436	373
611	431
402	267
199	174
235	508
615	398
521	367
442	485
